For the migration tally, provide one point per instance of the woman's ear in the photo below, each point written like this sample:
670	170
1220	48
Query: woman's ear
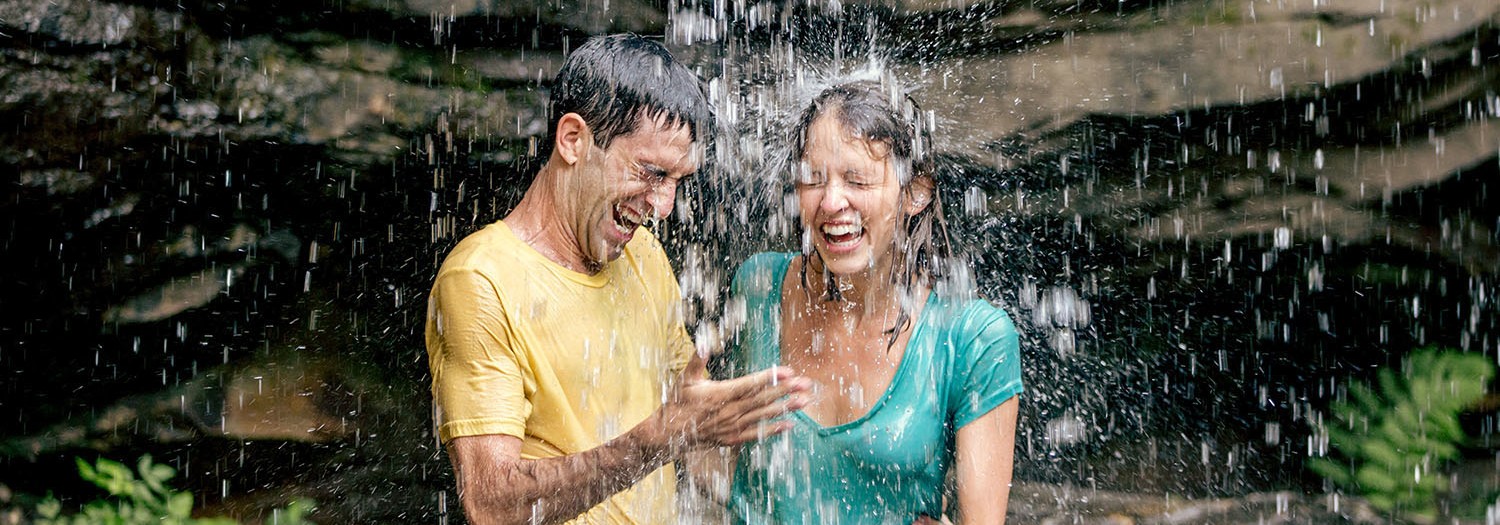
919	194
574	138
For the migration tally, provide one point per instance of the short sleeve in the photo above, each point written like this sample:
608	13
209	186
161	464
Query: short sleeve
988	362
656	269
480	380
759	278
679	344
755	295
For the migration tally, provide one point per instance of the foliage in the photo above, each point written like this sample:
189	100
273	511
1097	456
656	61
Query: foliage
144	500
1395	438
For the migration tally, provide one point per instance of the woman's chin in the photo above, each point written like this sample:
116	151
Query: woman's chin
845	265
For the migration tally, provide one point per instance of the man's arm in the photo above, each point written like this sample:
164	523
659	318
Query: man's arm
497	486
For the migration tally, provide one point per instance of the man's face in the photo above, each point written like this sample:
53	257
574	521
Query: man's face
632	182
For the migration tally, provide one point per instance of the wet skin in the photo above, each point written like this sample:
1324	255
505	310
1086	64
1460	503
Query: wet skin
632	182
849	198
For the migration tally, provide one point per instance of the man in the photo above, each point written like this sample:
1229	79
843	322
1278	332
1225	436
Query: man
564	381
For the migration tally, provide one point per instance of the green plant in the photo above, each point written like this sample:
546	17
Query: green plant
1393	443
143	500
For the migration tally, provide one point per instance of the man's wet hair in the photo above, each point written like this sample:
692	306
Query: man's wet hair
616	82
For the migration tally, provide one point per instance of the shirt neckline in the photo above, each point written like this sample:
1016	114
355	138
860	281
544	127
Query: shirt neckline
597	280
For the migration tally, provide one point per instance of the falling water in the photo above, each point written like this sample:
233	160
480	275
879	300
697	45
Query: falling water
1208	229
1208	218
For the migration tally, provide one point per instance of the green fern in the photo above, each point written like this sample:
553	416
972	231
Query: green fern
143	500
1394	442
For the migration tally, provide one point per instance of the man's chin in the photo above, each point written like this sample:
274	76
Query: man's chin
605	255
614	253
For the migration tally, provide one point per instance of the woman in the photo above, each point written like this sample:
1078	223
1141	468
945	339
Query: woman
916	377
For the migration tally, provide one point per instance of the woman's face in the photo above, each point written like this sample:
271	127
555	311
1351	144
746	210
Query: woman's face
850	198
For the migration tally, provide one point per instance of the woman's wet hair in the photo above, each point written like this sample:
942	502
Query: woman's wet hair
892	126
877	113
616	82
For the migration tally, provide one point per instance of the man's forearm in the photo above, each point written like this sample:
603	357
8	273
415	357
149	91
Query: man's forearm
554	490
498	487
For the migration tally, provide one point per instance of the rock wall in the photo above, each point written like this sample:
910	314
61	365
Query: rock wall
224	217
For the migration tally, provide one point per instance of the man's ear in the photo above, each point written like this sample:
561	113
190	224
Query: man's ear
918	194
574	138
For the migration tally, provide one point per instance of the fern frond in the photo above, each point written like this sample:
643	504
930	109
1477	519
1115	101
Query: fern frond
1395	437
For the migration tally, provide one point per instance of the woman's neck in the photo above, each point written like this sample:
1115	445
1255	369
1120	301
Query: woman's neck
869	296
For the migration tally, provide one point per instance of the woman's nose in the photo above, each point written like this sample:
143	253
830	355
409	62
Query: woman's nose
835	197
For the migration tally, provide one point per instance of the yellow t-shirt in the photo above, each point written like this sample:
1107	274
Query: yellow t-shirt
521	346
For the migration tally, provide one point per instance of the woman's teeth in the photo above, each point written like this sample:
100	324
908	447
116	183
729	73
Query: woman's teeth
840	229
842	233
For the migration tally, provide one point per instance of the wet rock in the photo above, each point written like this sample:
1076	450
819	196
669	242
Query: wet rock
290	399
1053	504
262	88
289	395
613	16
174	297
84	22
1157	63
170	296
58	181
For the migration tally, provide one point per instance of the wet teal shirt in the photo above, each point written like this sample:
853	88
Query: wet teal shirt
888	466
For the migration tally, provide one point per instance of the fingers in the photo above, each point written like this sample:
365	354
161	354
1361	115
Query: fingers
758	431
767	404
772	410
697	367
779	381
768	377
737	410
796	395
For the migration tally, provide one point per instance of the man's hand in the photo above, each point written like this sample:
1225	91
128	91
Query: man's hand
700	412
496	486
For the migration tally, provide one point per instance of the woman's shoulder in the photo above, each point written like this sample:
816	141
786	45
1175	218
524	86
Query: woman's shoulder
976	320
761	273
984	349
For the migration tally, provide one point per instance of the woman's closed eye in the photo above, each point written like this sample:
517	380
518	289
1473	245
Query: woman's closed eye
854	178
811	179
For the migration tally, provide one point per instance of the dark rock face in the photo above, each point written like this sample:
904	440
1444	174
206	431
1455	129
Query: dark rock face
221	226
222	219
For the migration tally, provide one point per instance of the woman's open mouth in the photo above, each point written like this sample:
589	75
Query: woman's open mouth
840	237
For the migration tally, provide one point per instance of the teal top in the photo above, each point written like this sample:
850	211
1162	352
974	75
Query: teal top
888	466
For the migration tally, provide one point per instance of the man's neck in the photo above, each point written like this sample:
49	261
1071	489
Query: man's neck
538	220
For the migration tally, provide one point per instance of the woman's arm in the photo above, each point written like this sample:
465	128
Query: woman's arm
983	457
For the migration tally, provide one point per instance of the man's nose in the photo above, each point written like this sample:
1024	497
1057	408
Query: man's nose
661	198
